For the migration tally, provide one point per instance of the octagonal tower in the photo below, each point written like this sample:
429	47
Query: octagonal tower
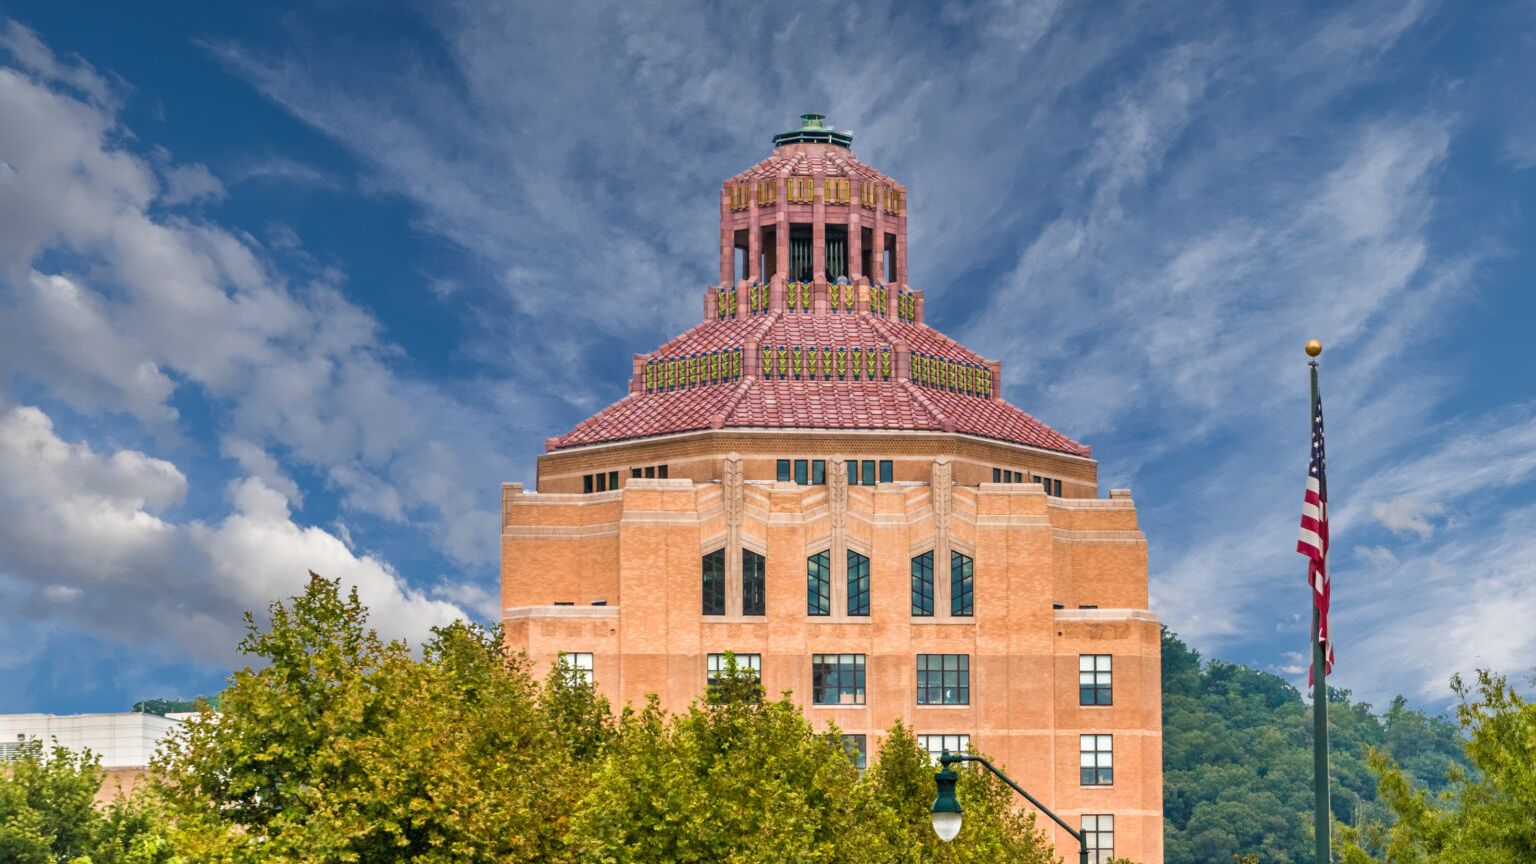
816	480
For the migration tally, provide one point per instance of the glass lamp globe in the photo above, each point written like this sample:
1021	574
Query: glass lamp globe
946	825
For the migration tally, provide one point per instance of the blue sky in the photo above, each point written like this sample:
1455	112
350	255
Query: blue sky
297	287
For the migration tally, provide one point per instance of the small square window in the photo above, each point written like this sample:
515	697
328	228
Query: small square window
818	472
837	679
783	472
1094	686
650	471
938	745
869	472
887	471
802	475
943	679
578	664
1097	759
634	473
714	664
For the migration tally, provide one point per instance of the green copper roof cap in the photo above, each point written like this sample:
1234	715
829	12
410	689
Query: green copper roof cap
812	131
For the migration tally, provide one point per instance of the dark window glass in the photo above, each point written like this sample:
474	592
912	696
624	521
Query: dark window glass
886	471
818	584
661	472
1099	837
818	472
783	474
613	479
943	679
961	585
714	583
801	476
650	471
869	472
922	584
837	679
1057	484
753	584
633	473
853	472
857	749
997	475
602	482
1094	686
858	584
1096	758
586	483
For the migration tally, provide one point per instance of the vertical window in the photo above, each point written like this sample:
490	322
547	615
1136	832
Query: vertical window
997	475
613	479
586	484
922	584
753	583
602	482
961	585
938	745
714	664
1097	758
783	471
886	471
1099	837
714	583
818	472
801	477
650	472
943	679
868	467
661	471
1093	680
857	747
837	679
853	472
578	664
858	584
818	584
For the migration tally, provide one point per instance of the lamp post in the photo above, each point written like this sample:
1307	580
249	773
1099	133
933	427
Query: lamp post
946	807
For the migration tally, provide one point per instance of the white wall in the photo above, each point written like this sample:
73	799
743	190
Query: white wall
125	740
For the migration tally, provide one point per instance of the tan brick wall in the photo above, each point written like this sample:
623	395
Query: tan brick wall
640	548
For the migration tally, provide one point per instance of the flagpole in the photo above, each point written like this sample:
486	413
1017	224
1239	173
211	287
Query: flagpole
1321	813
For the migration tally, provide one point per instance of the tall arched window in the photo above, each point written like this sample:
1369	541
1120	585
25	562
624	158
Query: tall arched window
818	584
961	585
753	583
922	584
858	584
714	583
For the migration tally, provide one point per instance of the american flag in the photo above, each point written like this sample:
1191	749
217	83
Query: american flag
1314	531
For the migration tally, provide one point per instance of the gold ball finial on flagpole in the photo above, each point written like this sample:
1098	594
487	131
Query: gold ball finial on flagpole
1314	347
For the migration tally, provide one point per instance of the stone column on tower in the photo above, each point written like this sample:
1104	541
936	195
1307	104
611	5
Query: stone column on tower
754	237
727	239
818	227
855	232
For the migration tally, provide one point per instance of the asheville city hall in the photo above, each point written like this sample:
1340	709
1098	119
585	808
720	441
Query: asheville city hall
816	480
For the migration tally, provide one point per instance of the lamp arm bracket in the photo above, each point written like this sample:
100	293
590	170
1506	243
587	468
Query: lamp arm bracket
948	759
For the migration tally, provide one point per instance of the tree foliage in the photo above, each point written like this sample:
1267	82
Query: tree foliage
47	814
1237	760
1486	814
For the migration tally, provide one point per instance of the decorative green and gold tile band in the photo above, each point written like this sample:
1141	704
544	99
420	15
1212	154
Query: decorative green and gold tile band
972	379
826	363
691	370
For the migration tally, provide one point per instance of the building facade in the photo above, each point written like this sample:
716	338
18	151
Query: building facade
125	742
816	480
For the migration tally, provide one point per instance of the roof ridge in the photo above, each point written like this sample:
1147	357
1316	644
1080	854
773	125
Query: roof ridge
729	411
933	410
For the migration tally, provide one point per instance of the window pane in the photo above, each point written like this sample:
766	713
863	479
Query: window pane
753	583
961	585
853	472
613	479
714	583
716	663
869	472
586	483
997	475
887	471
858	584
650	471
634	473
661	472
818	575
818	472
801	476
922	584
578	664
602	482
856	746
937	745
943	679
837	679
783	470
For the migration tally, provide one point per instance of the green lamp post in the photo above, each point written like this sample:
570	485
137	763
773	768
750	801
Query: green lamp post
947	812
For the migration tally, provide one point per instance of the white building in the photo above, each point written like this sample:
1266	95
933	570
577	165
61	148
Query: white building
125	741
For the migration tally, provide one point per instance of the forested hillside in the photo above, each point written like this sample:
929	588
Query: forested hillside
1237	759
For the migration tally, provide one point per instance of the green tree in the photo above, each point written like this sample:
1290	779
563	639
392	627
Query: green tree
1486	814
47	814
342	747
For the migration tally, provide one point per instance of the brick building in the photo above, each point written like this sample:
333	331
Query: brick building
816	480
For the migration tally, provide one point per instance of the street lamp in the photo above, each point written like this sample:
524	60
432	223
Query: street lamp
946	807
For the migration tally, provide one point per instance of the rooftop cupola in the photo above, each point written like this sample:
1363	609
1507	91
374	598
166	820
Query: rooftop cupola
813	131
809	217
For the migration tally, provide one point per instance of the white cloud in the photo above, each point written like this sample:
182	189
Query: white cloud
1407	516
1376	557
185	184
89	534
